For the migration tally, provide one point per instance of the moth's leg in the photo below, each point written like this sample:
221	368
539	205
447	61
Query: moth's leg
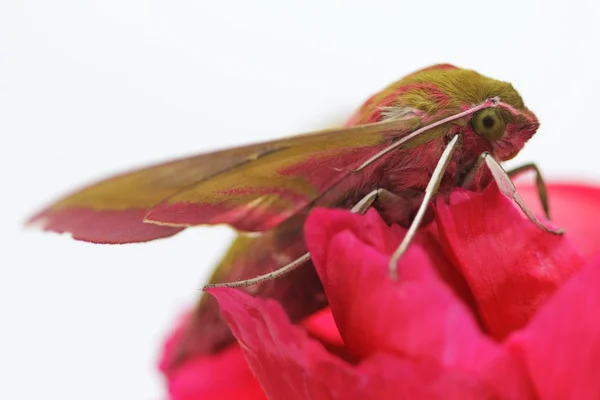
539	183
363	205
430	191
360	207
507	187
473	177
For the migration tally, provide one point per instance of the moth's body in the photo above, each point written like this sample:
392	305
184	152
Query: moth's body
404	172
270	188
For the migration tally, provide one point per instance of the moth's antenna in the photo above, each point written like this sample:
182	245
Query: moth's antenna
278	273
486	104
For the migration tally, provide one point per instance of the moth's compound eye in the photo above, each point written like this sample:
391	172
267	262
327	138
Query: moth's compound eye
488	124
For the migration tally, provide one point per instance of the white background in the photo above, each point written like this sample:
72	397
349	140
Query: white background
88	88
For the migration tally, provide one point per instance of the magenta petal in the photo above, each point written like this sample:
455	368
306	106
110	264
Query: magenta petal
511	266
292	366
372	312
392	377
561	345
321	326
418	318
288	364
225	376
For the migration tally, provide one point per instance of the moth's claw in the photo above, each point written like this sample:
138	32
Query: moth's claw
557	231
548	229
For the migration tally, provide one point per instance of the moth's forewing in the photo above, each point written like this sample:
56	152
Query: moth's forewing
252	188
113	210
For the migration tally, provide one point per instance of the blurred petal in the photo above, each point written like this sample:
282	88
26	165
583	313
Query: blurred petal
288	363
561	345
511	266
575	208
322	326
223	376
393	377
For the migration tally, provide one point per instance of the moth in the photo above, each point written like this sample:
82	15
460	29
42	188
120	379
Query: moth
436	129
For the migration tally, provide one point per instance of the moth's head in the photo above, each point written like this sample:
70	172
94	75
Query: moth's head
434	93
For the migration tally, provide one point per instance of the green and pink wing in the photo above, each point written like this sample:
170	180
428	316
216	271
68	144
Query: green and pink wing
251	188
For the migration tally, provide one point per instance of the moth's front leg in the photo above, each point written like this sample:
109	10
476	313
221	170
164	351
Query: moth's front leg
486	162
394	208
430	192
378	198
477	176
540	183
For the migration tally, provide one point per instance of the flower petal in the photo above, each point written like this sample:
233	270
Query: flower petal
288	363
418	318
292	366
572	207
223	376
561	345
511	266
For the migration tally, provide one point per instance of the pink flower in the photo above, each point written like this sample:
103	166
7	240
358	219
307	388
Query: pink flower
487	307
